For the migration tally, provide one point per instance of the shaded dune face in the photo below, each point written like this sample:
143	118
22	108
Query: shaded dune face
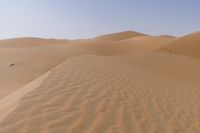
109	48
188	45
119	36
151	42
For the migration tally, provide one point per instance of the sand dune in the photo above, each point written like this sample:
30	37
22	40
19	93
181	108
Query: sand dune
25	60
123	82
29	42
119	36
188	45
102	47
152	42
123	94
18	66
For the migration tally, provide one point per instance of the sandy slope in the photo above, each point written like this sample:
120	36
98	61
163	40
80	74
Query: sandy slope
188	45
24	59
20	64
29	42
102	47
114	83
119	36
124	94
10	102
151	41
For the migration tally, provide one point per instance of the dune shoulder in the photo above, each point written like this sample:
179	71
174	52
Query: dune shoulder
187	45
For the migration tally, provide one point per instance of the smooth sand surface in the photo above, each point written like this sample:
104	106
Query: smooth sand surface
119	36
21	63
188	45
106	86
29	42
151	41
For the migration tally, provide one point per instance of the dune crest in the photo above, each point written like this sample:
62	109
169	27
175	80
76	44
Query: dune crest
29	42
120	36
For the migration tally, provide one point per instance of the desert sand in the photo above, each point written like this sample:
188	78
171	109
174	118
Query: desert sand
125	82
187	45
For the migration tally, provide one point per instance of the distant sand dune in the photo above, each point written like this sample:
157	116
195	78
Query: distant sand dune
102	47
151	42
120	36
24	59
29	42
188	45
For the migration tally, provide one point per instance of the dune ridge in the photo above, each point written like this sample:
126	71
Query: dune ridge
10	102
119	36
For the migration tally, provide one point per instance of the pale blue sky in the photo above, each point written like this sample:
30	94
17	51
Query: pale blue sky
88	18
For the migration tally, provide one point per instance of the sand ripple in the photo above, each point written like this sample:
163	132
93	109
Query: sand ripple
94	94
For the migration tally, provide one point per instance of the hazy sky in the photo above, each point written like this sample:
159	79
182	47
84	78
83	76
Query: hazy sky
88	18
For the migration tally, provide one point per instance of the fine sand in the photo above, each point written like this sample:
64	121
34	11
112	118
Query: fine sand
10	102
119	36
24	59
134	83
188	45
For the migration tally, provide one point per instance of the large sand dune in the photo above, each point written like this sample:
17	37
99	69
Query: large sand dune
24	59
188	45
117	83
122	94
